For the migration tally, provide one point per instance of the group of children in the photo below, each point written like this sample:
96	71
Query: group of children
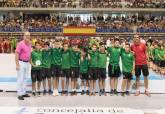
156	53
67	62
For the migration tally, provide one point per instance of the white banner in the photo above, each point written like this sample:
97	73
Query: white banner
68	110
76	110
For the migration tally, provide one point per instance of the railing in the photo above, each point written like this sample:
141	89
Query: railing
8	9
83	4
109	34
98	30
130	35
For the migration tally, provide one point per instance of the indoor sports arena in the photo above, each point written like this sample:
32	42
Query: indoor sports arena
82	56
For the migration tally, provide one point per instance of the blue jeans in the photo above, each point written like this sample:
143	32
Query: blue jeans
22	76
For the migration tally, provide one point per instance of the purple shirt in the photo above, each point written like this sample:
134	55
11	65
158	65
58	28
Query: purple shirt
24	51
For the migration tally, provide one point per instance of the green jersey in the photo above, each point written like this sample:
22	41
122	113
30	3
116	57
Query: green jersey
102	60
56	56
149	51
93	41
14	42
155	53
84	65
161	54
127	61
75	58
66	60
114	55
46	58
36	57
93	58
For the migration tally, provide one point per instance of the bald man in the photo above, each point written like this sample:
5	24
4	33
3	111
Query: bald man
22	60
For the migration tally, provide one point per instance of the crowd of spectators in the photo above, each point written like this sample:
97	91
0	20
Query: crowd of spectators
11	25
84	3
100	3
145	3
151	24
39	3
121	24
8	43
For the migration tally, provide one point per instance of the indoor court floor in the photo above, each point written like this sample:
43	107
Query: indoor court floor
156	101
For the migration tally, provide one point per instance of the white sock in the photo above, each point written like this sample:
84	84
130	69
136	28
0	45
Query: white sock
146	89
123	91
87	88
137	90
128	90
82	87
54	90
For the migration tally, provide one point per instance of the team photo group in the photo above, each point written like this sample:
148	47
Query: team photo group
81	64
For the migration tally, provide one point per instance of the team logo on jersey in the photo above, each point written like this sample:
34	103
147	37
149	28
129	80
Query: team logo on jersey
38	62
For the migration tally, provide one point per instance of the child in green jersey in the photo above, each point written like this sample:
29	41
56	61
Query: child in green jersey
84	71
155	57
93	72
56	65
161	55
14	41
36	61
151	55
114	68
46	64
65	65
102	63
128	67
75	63
149	52
164	61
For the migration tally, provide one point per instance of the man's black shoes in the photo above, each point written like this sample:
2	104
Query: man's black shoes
20	98
26	95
